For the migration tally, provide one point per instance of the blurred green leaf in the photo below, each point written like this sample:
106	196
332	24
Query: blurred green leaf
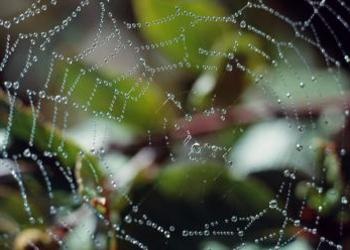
188	196
194	24
7	224
194	182
327	200
329	165
11	199
228	81
22	122
301	86
127	99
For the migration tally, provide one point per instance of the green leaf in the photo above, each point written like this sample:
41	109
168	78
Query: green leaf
11	198
128	100
228	82
194	182
20	131
188	196
301	86
189	25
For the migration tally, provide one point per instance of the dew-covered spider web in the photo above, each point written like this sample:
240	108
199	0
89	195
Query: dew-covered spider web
152	124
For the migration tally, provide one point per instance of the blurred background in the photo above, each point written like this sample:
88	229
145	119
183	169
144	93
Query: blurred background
151	124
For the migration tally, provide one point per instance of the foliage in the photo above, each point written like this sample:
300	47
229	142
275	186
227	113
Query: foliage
202	126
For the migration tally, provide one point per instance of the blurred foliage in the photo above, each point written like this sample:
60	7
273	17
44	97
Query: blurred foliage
185	20
195	194
126	99
21	128
215	61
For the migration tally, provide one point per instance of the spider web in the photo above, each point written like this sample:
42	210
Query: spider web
38	51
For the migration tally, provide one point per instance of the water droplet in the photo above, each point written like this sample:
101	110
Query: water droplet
128	219
8	84
344	200
339	247
7	24
16	85
32	220
297	223
343	152
26	152
273	204
299	147
286	173
196	147
347	58
234	218
135	209
52	210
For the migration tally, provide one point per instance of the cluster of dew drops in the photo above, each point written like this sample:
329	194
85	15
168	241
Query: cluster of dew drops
196	149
